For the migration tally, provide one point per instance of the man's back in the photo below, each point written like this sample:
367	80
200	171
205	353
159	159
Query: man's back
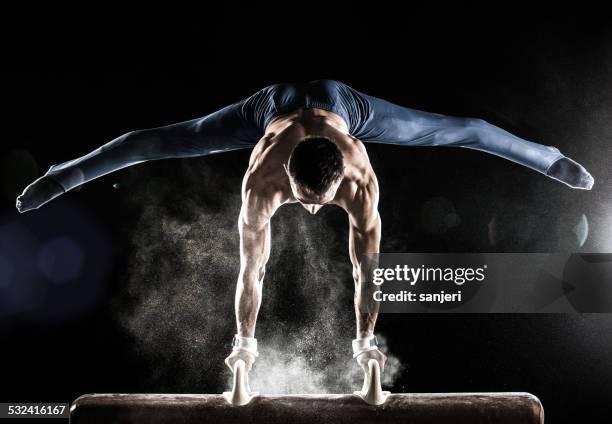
266	177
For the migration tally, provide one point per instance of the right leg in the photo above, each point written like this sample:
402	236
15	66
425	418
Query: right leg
227	129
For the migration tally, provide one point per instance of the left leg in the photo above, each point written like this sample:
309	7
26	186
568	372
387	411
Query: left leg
379	121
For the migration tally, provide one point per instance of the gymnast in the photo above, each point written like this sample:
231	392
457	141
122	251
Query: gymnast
307	144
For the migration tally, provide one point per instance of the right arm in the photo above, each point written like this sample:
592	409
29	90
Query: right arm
254	229
254	254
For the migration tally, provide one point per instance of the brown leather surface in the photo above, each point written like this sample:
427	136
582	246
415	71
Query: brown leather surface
272	409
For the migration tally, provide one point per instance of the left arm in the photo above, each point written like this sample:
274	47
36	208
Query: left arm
364	246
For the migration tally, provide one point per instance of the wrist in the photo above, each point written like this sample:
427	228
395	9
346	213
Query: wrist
245	344
364	344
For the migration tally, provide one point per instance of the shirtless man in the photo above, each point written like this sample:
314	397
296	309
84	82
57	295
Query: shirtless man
307	142
308	157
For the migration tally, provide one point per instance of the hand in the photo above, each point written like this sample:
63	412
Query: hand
364	357
247	357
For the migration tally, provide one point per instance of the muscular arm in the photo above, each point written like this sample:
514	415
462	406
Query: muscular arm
254	253
364	240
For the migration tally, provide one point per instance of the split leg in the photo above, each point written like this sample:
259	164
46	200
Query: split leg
227	129
383	122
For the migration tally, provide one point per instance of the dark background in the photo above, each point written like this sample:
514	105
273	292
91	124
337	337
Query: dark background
547	77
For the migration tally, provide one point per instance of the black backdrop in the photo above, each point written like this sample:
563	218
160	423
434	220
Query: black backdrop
69	88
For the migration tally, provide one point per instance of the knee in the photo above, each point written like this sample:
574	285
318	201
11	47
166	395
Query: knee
145	144
475	123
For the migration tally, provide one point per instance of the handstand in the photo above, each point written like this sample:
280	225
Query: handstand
307	142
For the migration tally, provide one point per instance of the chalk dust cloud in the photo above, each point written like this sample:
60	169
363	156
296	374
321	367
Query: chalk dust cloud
177	305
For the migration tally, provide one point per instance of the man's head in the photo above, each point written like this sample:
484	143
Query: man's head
315	172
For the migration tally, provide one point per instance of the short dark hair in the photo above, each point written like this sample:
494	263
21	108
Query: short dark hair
316	163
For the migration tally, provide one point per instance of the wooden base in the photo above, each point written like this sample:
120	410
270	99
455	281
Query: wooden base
297	409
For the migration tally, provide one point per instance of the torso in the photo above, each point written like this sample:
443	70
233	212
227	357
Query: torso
266	179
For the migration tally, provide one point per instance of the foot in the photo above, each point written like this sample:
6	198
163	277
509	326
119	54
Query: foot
571	173
38	193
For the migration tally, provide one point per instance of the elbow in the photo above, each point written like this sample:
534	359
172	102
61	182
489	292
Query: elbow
144	144
251	275
248	286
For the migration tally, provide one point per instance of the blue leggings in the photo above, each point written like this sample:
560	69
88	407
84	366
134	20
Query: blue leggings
242	124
